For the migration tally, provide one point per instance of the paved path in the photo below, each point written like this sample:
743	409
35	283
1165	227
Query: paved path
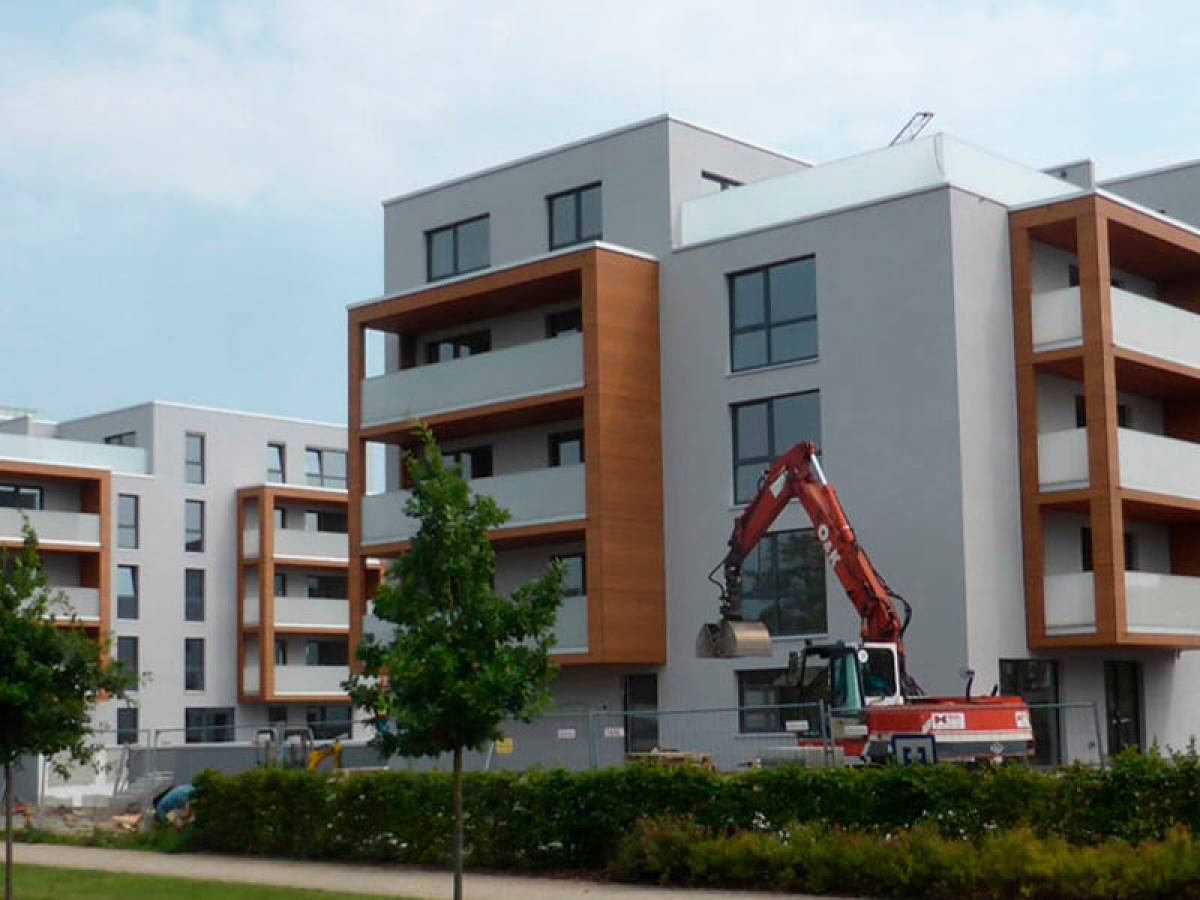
385	881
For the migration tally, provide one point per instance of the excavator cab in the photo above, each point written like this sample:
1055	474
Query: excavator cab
848	678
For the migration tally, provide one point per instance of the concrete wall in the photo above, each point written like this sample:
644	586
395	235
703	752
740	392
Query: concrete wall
1174	191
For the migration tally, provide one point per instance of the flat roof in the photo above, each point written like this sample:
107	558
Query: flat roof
208	409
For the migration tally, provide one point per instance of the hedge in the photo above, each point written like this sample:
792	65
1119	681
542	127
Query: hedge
917	863
558	820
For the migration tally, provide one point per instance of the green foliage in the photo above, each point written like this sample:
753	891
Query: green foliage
49	676
920	862
562	821
463	658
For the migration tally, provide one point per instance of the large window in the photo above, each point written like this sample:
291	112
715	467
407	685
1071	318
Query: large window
193	458
193	526
332	520
566	448
783	584
326	652
457	346
766	429
127	522
325	468
475	462
458	248
1036	682
208	725
193	664
193	595
127	725
127	655
329	722
575	216
276	467
574	575
773	314
765	703
127	592
329	586
20	496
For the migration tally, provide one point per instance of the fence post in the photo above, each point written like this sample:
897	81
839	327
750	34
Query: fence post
593	751
1096	725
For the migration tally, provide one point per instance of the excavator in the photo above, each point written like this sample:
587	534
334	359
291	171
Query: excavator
875	707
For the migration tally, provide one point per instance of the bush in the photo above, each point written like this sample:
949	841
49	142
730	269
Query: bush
559	820
920	862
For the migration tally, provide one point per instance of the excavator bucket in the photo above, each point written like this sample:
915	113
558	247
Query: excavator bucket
729	639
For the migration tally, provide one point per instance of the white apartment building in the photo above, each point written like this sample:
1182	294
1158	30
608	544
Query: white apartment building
148	519
1001	365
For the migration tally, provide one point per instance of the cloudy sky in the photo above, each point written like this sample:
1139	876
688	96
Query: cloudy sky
189	192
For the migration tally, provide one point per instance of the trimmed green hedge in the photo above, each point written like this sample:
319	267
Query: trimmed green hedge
917	863
559	820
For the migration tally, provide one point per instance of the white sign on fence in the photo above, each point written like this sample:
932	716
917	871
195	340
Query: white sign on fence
614	731
566	734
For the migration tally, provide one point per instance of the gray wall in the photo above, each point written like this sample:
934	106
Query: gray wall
1174	191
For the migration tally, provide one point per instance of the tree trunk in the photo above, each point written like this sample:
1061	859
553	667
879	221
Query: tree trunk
458	824
8	834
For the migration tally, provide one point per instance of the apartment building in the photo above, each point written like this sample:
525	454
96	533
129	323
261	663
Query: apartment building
151	522
616	337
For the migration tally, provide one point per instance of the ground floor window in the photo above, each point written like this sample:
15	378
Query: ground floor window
763	702
127	725
329	722
208	725
1036	682
1123	704
641	712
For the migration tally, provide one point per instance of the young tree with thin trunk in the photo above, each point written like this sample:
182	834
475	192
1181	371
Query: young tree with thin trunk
463	658
50	676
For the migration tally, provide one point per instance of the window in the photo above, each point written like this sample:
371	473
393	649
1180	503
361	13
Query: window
208	725
330	586
276	466
333	520
326	652
1124	419
1123	704
574	575
124	439
641	712
20	496
1036	681
127	725
773	314
325	468
458	346
566	448
328	722
763	688
720	180
575	216
280	518
281	651
193	525
458	248
766	429
1085	550
567	321
193	664
280	584
277	715
193	595
193	458
127	522
127	592
783	583
127	655
475	462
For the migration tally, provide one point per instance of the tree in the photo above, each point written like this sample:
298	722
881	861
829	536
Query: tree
462	658
50	676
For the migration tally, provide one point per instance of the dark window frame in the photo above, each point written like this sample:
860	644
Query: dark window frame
564	321
325	586
577	235
554	444
127	733
280	584
191	544
458	342
325	727
192	601
316	518
756	573
190	440
208	731
122	610
769	324
572	591
453	228
132	666
1047	720
193	672
125	527
17	490
281	449
773	450
484	453
322	476
777	712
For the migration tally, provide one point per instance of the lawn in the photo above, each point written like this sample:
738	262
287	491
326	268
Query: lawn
38	883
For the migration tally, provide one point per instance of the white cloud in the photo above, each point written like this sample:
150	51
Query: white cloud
294	108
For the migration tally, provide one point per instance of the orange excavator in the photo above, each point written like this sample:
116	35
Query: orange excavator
875	709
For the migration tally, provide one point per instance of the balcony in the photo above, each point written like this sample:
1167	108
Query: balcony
514	373
310	681
571	626
84	601
1140	324
296	543
536	497
1155	604
313	613
1147	462
52	526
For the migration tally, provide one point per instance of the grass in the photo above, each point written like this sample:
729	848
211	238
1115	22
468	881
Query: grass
39	883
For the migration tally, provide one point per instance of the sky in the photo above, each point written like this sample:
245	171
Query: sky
190	192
